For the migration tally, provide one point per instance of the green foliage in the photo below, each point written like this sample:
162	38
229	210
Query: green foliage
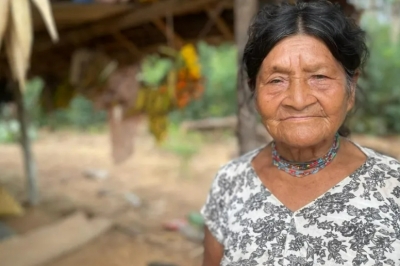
219	68
31	97
380	109
9	125
80	114
10	131
183	144
154	69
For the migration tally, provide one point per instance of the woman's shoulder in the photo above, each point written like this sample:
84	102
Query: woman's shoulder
380	157
235	175
239	164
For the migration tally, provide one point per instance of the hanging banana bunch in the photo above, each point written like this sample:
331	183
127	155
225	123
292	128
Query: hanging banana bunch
151	102
158	126
166	85
16	29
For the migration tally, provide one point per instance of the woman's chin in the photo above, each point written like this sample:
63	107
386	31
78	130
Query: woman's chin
302	138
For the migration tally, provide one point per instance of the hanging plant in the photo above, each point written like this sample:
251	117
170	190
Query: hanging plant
154	70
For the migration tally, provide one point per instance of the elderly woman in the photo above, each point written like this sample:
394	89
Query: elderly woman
311	197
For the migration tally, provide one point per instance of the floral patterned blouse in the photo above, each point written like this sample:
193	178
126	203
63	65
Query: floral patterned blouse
357	222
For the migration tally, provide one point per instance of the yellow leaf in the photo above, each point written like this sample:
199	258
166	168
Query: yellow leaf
8	205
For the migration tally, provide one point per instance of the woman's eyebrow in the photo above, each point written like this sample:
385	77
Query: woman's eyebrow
278	69
315	68
287	70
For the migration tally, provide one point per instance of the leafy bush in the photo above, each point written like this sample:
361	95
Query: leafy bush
9	124
80	114
380	108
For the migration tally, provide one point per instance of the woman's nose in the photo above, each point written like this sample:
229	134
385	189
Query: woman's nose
299	95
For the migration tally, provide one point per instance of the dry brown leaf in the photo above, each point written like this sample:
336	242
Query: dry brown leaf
17	29
44	8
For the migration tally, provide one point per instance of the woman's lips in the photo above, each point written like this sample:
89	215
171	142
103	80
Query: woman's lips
299	118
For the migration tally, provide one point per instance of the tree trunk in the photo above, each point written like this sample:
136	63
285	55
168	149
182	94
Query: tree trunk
244	11
29	163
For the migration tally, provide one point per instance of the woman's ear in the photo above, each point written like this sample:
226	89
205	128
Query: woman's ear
353	88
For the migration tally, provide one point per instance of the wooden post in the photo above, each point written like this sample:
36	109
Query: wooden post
244	10
29	163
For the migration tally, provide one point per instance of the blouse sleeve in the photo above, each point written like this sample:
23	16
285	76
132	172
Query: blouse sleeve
214	210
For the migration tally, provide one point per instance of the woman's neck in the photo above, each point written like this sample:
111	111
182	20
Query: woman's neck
305	154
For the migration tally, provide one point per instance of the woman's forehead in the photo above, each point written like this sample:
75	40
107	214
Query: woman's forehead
302	51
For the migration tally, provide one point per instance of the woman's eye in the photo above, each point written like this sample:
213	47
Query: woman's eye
275	81
320	77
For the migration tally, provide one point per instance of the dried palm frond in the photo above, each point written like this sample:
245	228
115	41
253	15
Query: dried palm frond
45	10
16	56
21	22
4	11
17	29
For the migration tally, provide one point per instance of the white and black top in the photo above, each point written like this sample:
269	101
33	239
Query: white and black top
357	222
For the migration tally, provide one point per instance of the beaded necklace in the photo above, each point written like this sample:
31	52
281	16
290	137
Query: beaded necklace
301	169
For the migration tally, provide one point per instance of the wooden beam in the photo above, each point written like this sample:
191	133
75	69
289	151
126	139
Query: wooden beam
212	40
219	22
212	17
134	18
44	244
125	42
177	40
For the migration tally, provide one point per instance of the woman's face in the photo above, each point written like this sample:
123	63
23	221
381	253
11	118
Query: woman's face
301	92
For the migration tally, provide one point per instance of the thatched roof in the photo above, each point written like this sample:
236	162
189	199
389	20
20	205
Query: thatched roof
128	31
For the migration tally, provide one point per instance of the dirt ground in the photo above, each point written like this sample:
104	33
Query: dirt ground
151	173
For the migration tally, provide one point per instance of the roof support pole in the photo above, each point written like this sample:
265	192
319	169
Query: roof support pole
29	163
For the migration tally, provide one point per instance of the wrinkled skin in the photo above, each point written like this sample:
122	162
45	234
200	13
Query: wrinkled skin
301	97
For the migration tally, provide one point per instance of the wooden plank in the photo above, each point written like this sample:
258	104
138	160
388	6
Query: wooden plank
70	14
113	47
125	42
48	243
136	17
222	123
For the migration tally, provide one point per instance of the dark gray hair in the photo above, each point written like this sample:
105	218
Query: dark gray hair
320	19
